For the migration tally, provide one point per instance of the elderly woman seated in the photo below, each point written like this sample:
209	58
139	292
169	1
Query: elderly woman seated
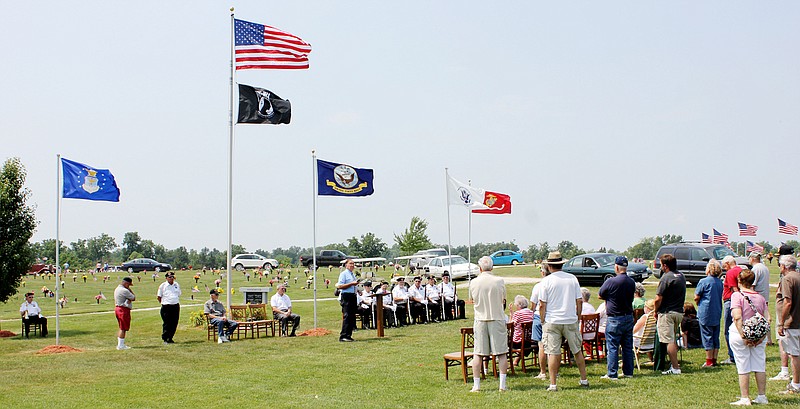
520	314
644	330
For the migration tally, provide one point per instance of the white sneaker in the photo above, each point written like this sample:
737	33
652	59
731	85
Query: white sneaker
474	390
781	377
542	376
122	348
761	400
609	377
552	388
226	339
673	371
741	402
221	339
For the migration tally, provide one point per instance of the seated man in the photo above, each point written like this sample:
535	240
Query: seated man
400	298
389	307
365	301
434	300
418	302
451	300
282	311
32	314
216	314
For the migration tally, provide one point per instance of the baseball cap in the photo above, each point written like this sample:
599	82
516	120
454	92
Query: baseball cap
214	292
128	280
621	261
785	249
170	274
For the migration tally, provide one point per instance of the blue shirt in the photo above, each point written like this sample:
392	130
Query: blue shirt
709	308
618	293
347	277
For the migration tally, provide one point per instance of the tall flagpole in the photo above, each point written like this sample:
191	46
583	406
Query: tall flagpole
447	201
230	172
59	273
314	223
469	237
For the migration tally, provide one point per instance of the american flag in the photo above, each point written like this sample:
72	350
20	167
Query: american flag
753	247
747	229
704	238
263	47
786	228
718	237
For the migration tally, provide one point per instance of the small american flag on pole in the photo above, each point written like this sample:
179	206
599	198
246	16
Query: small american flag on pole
263	47
753	247
704	238
718	237
747	229
786	228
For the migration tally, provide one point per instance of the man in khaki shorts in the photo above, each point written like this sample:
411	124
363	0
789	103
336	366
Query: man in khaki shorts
489	295
789	319
560	304
670	297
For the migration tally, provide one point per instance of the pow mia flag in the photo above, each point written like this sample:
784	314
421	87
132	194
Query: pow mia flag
261	106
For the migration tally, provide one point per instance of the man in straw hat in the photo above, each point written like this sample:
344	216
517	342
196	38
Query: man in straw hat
560	302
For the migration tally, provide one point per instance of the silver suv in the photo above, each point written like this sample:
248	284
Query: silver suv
243	261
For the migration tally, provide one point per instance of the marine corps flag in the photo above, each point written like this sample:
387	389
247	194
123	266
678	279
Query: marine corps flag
335	179
477	200
262	106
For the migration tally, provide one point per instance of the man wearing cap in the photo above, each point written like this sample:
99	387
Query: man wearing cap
783	375
451	301
761	284
670	296
123	299
400	298
417	301
216	314
365	301
491	338
32	314
434	299
789	318
618	295
169	295
282	311
560	302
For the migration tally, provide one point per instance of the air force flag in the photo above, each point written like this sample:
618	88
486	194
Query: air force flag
335	179
86	182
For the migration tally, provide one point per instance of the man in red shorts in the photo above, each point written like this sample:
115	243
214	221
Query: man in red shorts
123	299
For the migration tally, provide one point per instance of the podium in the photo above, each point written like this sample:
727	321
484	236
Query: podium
379	312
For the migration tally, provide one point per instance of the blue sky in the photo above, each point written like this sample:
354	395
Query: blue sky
605	121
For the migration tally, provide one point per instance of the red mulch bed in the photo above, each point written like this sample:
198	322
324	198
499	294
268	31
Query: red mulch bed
57	349
7	334
316	332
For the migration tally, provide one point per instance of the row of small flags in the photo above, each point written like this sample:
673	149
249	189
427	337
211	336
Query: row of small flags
746	230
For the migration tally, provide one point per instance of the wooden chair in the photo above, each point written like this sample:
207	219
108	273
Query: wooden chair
526	351
211	329
35	327
462	357
239	314
646	339
260	320
509	337
589	325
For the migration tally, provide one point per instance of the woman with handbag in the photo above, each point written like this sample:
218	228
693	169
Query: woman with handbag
747	338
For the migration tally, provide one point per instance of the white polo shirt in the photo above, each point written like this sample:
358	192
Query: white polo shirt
560	291
32	308
170	293
281	302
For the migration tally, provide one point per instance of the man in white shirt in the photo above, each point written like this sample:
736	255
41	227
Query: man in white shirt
400	298
434	299
560	302
32	314
418	302
448	290
282	311
365	301
169	295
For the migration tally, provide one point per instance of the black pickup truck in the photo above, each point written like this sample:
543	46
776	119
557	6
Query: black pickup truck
325	258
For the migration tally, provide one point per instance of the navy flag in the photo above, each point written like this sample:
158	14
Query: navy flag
336	179
262	106
85	182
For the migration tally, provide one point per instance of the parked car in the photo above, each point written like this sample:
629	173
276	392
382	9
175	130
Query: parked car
599	267
694	257
424	257
457	266
243	261
506	257
325	258
142	264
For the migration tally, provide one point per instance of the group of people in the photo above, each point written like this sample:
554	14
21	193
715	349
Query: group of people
557	302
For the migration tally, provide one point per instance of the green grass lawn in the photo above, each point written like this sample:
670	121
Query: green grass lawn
403	370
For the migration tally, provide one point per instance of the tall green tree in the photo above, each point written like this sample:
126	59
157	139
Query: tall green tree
414	238
130	243
367	246
17	224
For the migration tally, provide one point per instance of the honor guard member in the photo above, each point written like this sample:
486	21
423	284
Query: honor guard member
32	314
169	295
365	301
434	299
417	301
400	298
451	301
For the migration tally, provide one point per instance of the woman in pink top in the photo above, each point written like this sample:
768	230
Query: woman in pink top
750	356
520	315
